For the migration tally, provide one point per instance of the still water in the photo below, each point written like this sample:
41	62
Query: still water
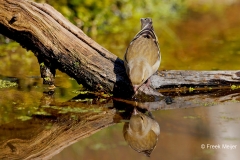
66	124
47	126
183	132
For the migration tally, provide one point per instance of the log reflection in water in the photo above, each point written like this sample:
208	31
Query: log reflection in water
44	136
65	123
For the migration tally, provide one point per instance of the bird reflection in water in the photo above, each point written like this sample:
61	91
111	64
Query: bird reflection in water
141	132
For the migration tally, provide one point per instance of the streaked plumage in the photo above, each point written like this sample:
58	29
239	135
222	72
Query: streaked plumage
141	133
142	57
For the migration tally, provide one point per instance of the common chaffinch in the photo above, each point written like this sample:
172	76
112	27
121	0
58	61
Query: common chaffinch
142	57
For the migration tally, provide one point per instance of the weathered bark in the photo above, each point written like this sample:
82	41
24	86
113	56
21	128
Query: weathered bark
194	78
58	44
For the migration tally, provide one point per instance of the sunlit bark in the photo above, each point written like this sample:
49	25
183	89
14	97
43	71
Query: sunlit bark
58	44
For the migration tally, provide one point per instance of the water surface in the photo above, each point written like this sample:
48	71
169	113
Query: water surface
87	128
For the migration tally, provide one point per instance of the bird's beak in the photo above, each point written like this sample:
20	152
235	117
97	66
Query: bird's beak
135	112
135	88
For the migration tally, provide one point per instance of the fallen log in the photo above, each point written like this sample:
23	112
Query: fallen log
174	77
58	44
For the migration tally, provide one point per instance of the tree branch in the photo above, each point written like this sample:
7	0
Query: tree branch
58	44
52	38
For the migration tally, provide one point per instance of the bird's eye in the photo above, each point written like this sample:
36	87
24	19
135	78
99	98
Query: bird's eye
146	36
141	117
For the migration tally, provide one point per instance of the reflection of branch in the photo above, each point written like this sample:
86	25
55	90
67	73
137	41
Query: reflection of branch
183	102
44	137
65	123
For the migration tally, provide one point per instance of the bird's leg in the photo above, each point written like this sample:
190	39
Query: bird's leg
146	85
146	88
148	82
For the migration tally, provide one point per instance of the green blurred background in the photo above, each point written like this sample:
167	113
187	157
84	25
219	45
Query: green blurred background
193	34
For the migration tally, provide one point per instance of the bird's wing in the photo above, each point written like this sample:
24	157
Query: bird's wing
144	45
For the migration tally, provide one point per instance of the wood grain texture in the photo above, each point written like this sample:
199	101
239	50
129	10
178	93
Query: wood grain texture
53	39
61	45
181	77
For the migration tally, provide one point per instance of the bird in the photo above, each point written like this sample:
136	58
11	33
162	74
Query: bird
141	132
142	57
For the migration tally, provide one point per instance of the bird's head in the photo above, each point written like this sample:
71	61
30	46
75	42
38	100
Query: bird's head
139	73
136	121
139	134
